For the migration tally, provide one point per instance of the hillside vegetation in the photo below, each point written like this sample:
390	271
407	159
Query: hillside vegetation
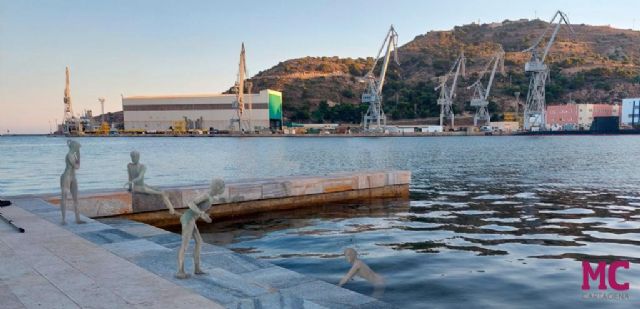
599	64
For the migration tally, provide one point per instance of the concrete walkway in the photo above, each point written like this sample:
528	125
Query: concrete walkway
117	263
49	267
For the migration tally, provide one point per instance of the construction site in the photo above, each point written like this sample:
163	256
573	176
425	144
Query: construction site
241	111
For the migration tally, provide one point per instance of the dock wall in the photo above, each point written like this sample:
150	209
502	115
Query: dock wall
246	197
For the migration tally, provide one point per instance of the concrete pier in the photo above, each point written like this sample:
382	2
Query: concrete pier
119	263
246	197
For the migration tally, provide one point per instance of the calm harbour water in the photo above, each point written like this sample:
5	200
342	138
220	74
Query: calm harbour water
492	221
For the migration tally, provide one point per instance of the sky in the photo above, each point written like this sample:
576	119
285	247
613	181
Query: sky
143	47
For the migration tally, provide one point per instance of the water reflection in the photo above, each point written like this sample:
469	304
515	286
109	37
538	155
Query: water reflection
449	234
490	222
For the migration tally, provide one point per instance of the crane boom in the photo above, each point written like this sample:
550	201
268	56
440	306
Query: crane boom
534	111
562	17
68	120
392	46
239	90
373	93
480	97
499	59
461	65
242	71
447	93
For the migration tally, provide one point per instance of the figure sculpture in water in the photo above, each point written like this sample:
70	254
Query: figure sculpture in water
360	269
68	180
197	209
136	183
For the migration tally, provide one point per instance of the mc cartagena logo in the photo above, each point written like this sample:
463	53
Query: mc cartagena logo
605	274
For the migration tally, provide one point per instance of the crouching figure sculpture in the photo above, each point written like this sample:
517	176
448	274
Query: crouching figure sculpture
197	209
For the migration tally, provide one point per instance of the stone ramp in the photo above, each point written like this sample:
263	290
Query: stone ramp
233	280
50	267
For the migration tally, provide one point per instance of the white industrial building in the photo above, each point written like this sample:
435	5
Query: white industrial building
630	114
415	129
201	111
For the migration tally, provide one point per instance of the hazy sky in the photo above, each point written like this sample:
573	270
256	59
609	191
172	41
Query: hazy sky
135	47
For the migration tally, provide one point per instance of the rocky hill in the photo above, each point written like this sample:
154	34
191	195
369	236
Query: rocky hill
597	64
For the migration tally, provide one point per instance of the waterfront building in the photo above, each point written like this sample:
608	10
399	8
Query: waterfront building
505	126
630	113
200	111
562	116
587	112
419	129
580	116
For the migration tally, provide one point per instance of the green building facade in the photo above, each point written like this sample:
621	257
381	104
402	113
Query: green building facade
275	110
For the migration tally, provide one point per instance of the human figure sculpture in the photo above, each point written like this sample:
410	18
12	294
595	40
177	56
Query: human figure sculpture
197	209
136	183
361	269
68	180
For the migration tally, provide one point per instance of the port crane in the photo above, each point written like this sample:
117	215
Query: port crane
239	104
534	109
480	98
375	119
448	92
104	126
67	118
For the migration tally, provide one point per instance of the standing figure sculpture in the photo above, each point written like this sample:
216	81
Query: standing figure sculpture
68	180
360	269
197	209
136	183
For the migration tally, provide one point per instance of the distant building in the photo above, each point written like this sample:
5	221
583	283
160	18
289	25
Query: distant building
200	111
562	115
578	115
630	114
505	126
587	112
418	129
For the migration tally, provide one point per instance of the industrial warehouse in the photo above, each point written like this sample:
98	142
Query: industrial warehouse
201	112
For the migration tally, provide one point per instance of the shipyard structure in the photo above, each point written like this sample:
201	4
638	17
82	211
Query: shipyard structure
207	112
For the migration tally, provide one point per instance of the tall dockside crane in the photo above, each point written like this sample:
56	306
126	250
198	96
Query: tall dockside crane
67	118
448	93
534	109
375	119
480	98
238	104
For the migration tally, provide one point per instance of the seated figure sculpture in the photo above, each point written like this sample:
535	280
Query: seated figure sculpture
136	183
197	209
359	268
68	180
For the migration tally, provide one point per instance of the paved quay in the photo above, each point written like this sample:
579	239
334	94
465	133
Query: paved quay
118	263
